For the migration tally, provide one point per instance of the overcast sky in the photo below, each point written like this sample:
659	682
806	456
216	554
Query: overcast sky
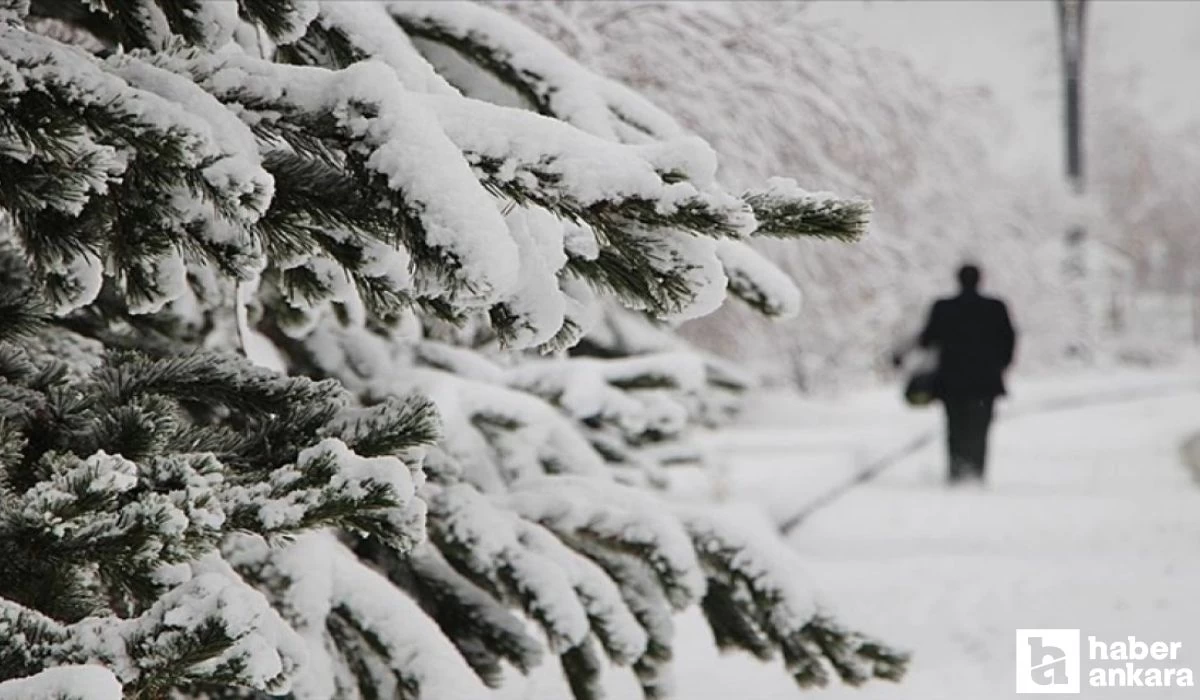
1011	47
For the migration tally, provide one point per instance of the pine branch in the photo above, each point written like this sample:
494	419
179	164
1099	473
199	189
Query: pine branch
520	59
751	604
584	670
21	311
282	19
119	174
484	631
784	210
445	263
387	428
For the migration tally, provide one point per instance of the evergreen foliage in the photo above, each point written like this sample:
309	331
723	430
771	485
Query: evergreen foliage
269	419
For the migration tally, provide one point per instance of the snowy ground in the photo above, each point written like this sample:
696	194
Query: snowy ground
1090	521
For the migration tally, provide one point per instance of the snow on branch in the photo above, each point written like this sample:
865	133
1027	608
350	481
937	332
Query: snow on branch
207	629
487	544
554	84
754	602
502	434
345	610
330	485
645	598
581	177
784	209
120	543
104	173
629	408
484	630
82	682
419	657
619	517
757	281
614	625
396	146
353	31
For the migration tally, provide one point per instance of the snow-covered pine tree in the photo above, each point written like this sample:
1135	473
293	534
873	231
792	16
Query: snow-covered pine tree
402	215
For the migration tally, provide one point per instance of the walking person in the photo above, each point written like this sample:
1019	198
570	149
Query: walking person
974	339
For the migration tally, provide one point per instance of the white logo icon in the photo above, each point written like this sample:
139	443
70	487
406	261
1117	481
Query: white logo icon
1047	661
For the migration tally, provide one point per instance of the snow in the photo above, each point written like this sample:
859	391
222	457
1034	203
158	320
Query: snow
51	501
494	544
755	278
583	309
579	240
163	101
615	514
16	10
762	561
575	94
259	655
418	650
536	493
237	608
278	504
354	471
82	277
401	140
588	388
697	259
588	169
371	28
331	278
686	155
780	190
166	276
538	438
1089	521
155	102
218	20
254	345
64	683
317	578
610	618
463	362
240	170
301	13
537	304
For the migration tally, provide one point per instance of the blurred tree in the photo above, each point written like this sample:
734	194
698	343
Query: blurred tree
775	90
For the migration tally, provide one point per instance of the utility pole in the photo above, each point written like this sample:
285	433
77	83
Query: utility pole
1071	38
1071	15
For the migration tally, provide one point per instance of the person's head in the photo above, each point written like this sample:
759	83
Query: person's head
968	277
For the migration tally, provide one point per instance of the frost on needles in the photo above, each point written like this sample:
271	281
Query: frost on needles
333	365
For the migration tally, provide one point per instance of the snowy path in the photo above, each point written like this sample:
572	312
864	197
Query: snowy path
1089	522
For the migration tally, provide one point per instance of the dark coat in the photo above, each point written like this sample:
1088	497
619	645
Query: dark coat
975	342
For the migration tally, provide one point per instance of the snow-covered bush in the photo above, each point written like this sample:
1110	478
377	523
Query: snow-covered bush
286	401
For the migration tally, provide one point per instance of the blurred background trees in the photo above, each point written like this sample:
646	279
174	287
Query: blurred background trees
777	88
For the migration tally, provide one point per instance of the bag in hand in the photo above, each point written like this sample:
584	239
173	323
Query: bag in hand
918	391
922	377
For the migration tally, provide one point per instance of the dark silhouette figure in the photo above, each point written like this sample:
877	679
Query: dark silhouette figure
975	341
